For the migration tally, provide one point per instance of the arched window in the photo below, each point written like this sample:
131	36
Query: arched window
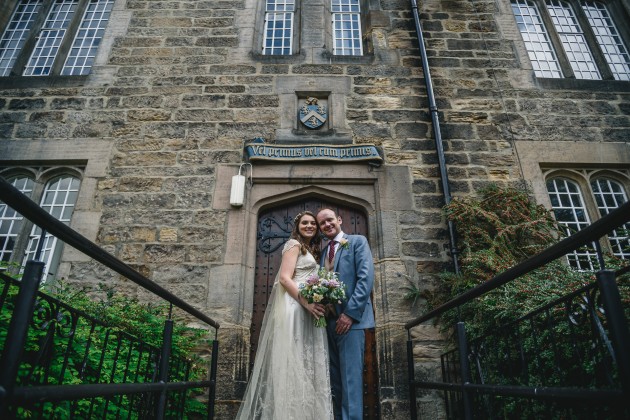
579	197
58	199
11	221
56	190
570	211
609	195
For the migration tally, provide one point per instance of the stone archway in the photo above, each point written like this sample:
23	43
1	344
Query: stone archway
382	194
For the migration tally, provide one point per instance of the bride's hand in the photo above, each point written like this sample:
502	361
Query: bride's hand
316	309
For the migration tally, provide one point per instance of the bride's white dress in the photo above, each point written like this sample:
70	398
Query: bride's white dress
290	379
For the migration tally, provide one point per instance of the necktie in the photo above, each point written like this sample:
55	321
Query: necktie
331	251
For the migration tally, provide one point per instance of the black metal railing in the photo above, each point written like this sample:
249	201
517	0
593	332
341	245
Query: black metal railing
567	359
59	362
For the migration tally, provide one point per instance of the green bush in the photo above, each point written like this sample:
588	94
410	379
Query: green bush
496	231
66	347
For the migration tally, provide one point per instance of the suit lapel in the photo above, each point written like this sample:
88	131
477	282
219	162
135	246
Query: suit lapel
340	249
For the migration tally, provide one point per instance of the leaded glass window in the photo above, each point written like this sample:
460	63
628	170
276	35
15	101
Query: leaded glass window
568	206
88	38
10	220
609	195
537	42
573	40
607	35
64	41
50	38
59	198
16	33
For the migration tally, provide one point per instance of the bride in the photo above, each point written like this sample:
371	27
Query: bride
291	378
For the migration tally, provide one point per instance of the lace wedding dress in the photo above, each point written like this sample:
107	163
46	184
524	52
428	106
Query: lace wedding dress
290	379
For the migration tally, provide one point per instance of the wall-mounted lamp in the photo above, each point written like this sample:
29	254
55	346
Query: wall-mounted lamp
237	193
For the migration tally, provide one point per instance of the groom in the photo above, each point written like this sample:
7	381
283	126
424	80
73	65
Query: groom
350	256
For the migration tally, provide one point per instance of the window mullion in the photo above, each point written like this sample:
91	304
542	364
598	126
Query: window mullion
596	50
5	18
555	40
12	222
66	44
23	239
22	242
593	210
621	15
365	32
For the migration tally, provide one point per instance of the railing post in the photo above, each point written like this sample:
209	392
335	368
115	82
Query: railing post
464	368
213	377
18	329
165	355
600	255
413	409
619	333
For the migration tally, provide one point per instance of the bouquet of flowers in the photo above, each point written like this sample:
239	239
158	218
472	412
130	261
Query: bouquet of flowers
323	287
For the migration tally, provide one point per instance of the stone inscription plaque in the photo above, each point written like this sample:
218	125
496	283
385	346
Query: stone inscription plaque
364	152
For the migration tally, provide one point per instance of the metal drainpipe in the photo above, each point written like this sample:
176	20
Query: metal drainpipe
436	130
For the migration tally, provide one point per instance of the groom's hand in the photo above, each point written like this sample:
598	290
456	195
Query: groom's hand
344	323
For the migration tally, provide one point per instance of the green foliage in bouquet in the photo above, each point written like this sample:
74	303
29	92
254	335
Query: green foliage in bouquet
325	288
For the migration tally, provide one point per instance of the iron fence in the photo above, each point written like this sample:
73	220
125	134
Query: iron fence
60	362
567	359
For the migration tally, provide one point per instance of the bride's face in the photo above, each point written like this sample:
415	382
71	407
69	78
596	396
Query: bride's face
307	227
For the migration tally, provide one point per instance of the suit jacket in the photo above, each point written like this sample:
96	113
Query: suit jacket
355	267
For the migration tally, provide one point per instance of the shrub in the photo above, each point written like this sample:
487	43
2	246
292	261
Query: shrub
498	230
82	338
558	347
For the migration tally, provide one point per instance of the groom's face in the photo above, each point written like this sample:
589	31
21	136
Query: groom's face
329	223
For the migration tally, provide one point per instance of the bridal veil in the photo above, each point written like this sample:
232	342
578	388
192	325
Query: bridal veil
290	379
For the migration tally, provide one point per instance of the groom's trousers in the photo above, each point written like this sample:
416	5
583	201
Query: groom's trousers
346	354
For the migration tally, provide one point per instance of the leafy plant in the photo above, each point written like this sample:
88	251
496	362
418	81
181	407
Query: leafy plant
78	337
500	229
497	230
413	292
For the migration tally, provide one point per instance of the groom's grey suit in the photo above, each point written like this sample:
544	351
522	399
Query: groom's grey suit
356	269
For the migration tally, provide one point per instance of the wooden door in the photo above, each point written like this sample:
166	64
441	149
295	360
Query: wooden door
274	229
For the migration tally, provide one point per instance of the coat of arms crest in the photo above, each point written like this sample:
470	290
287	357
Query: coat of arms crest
313	115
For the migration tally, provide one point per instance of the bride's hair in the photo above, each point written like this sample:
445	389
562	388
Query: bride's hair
312	246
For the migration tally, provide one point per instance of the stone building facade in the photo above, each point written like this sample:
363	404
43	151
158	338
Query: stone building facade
157	129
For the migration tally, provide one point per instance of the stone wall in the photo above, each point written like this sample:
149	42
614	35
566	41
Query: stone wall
183	87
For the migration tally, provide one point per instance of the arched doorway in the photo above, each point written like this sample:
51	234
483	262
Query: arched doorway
273	230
